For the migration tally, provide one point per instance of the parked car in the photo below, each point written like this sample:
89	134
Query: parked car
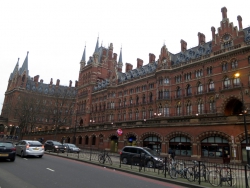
134	154
54	146
29	148
7	151
71	148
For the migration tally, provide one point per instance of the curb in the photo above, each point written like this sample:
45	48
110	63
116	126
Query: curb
188	184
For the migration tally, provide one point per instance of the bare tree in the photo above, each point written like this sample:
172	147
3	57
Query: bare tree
28	109
61	108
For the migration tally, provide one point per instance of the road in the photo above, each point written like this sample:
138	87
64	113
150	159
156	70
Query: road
52	172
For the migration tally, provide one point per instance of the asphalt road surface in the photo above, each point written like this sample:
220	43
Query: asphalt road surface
56	172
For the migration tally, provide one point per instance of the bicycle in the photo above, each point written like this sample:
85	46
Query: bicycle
178	169
221	175
197	172
104	158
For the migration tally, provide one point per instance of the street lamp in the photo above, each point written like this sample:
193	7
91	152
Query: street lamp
74	141
237	75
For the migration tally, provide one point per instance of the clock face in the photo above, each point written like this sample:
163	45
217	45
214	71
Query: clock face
226	37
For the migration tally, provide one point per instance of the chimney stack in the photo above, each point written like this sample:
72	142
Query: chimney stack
41	81
213	32
51	81
239	22
70	83
139	63
201	38
36	78
57	82
151	58
76	83
183	45
129	67
224	13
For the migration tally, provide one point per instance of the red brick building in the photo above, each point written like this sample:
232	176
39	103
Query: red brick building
194	101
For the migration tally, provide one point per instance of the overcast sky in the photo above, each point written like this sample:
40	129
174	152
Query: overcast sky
55	32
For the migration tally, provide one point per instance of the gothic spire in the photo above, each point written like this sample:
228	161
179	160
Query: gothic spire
97	45
84	54
25	66
15	70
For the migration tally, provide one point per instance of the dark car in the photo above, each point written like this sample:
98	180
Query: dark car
71	148
145	156
7	151
54	146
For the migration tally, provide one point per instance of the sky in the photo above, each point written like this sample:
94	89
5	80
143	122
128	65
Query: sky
56	32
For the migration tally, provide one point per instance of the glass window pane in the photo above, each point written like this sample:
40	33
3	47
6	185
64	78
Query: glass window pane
218	139
210	140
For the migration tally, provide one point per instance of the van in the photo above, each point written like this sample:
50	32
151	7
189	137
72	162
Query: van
140	155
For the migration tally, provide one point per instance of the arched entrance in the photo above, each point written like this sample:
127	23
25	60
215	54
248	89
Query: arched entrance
153	142
131	141
214	147
233	107
181	145
114	144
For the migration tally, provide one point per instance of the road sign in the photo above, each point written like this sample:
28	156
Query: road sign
248	148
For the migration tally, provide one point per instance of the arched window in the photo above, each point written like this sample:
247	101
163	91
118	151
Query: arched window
224	67
151	114
166	94
144	114
100	138
234	64
178	92
178	108
189	108
137	100
160	109
211	86
136	114
181	145
188	90
212	105
236	81
199	88
124	116
150	97
86	140
166	110
166	81
200	107
124	102
226	83
209	70
144	98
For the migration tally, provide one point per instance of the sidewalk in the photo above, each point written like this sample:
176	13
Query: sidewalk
145	172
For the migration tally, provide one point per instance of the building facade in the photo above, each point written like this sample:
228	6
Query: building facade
195	102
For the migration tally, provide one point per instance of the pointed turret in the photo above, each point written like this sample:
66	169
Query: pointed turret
83	61
97	45
120	64
25	66
15	70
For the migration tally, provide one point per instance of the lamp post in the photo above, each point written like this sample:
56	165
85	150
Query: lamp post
74	141
237	75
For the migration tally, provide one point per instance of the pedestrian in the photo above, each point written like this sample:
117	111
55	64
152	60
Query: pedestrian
173	154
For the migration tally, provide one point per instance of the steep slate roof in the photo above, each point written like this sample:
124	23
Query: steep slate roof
47	90
247	34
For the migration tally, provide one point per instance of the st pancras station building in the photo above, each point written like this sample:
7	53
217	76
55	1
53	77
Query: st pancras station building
196	102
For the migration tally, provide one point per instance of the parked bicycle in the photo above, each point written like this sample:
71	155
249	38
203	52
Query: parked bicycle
178	169
198	172
222	174
104	158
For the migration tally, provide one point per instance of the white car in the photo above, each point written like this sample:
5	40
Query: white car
29	147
